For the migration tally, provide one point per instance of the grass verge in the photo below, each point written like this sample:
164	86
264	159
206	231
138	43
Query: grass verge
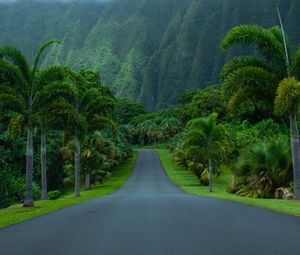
189	183
17	213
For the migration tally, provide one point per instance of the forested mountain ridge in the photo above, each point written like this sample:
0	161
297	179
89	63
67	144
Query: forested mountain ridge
148	50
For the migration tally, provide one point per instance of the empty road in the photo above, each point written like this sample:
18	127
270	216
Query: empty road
149	215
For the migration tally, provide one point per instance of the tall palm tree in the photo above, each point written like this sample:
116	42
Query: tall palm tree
205	137
97	152
287	102
258	78
95	104
53	91
20	95
290	88
249	83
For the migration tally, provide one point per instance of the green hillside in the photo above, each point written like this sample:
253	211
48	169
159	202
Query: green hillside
147	50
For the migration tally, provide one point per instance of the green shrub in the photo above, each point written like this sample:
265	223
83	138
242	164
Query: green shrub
204	179
55	194
262	168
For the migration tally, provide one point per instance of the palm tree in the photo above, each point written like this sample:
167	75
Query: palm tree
53	91
97	152
258	78
205	138
286	102
95	104
249	83
20	93
289	88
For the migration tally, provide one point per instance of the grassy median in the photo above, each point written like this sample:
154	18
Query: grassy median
189	183
17	213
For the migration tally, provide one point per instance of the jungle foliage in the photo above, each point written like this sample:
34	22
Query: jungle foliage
68	118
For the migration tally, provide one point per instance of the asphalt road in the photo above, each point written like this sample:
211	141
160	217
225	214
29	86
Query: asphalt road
149	215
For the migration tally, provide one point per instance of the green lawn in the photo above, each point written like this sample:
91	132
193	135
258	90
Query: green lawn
17	213
189	183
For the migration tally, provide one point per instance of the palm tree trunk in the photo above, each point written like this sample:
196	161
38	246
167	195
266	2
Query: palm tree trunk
295	146
43	165
77	168
210	171
87	180
28	201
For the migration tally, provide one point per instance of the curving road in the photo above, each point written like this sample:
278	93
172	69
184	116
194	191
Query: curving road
149	215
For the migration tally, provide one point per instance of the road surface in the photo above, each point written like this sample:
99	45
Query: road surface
149	215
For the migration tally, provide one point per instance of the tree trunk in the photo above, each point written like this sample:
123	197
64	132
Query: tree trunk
28	201
210	171
43	165
77	168
88	180
295	146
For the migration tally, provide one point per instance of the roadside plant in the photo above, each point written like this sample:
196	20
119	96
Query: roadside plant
204	140
263	168
19	91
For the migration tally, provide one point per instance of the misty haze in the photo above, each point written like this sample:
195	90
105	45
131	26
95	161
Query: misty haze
149	127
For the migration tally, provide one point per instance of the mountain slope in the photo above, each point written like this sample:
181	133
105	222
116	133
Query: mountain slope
147	50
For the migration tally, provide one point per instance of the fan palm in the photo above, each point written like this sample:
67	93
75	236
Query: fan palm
19	91
264	167
205	139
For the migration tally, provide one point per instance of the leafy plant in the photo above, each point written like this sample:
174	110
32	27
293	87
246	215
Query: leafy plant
263	168
54	194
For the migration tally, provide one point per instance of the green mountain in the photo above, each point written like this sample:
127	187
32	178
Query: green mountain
147	50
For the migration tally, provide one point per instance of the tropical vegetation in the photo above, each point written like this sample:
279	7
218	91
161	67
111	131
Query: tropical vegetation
236	131
74	110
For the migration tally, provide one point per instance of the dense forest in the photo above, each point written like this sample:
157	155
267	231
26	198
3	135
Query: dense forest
63	128
143	49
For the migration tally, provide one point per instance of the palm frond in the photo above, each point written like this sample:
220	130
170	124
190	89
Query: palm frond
16	57
9	102
240	62
40	52
51	74
12	75
62	115
266	42
100	122
249	77
288	95
55	91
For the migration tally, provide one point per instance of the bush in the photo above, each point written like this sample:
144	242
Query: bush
204	179
263	168
55	194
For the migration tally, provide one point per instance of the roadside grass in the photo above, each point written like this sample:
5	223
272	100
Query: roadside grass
17	213
189	183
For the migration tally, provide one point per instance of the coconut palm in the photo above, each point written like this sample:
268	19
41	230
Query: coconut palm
19	95
205	138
